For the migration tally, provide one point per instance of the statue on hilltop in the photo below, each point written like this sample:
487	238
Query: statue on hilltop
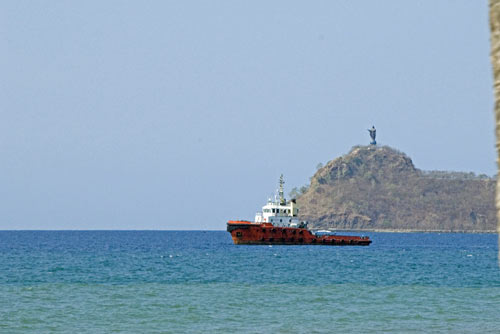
373	134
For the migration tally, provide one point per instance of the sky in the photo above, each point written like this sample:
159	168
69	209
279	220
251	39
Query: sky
181	115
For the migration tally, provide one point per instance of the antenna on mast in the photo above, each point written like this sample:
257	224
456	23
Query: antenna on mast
281	192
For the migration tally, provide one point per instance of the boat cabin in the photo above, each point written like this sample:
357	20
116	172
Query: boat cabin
280	212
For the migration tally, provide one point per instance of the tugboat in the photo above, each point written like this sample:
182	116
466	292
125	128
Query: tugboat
278	224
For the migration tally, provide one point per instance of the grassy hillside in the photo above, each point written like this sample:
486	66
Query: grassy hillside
379	188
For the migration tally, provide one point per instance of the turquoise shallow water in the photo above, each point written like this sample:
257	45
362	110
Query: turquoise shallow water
199	282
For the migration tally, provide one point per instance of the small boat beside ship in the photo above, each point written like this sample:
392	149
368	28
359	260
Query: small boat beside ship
278	224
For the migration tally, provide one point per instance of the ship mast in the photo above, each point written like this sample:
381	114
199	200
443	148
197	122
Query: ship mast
282	196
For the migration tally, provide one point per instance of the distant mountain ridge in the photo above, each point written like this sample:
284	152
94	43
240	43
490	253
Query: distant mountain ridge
379	188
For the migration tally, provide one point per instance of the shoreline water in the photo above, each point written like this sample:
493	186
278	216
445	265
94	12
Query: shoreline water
413	231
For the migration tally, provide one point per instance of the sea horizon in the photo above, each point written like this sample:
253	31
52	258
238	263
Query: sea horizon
313	229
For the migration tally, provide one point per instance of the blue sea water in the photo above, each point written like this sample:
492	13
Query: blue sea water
199	282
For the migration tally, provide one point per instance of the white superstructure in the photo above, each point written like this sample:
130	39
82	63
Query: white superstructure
280	212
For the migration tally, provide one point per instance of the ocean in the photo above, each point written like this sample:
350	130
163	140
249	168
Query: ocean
199	282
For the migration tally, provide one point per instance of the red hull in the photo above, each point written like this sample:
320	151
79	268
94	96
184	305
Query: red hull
248	233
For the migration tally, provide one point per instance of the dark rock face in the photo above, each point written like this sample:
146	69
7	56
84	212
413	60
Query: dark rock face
379	188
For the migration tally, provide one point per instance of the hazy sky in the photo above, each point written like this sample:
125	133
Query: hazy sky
183	114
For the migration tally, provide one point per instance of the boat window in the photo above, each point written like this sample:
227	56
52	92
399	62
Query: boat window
273	210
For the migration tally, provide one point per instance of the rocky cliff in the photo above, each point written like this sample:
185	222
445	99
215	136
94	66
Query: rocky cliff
379	188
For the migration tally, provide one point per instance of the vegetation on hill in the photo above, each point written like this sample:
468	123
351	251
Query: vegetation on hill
379	188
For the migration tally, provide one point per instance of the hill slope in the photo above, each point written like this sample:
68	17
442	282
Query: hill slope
379	188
